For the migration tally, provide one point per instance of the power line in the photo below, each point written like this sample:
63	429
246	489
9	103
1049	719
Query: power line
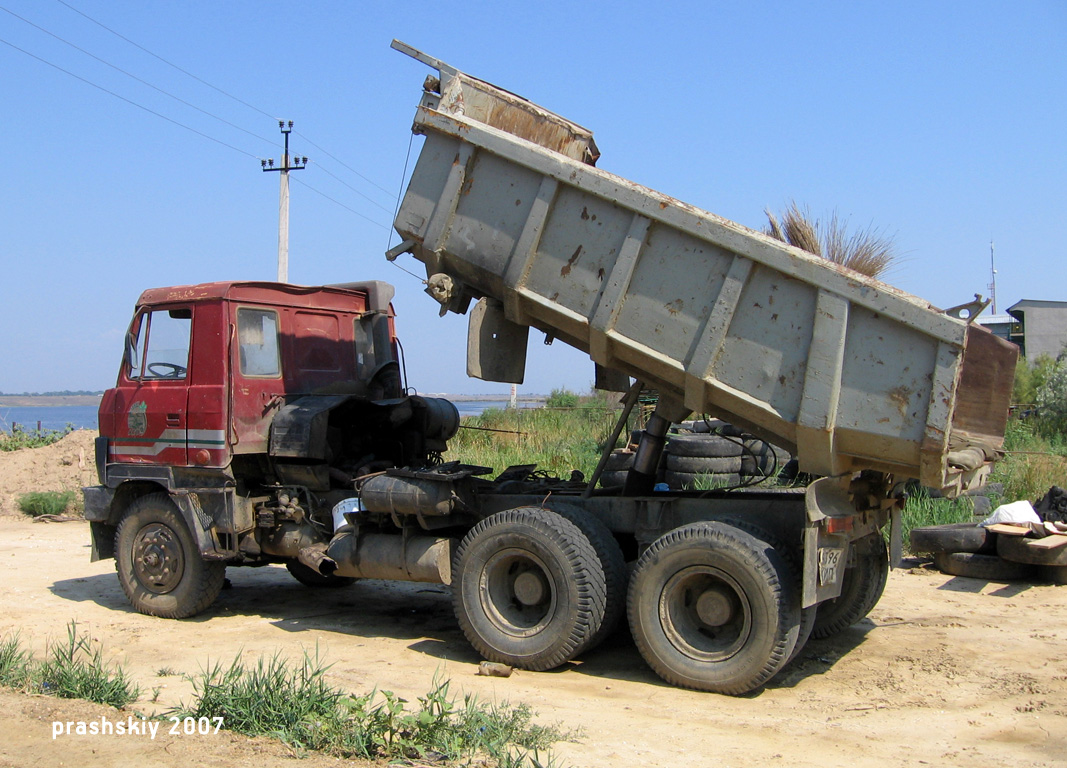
341	162
168	63
135	77
128	101
352	210
371	200
224	93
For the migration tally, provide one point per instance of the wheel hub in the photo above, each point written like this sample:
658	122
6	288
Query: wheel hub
157	558
704	613
714	606
516	593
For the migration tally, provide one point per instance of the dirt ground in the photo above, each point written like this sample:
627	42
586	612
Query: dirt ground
945	671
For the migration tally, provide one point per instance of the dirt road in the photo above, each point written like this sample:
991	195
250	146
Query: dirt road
946	671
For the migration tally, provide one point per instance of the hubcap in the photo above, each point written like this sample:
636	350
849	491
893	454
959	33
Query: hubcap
157	558
516	592
705	613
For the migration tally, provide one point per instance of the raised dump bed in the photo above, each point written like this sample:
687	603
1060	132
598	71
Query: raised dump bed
505	206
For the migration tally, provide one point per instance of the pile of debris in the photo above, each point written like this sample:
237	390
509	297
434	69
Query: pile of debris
1018	541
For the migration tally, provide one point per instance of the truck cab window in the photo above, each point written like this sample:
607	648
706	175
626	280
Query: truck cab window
163	338
257	338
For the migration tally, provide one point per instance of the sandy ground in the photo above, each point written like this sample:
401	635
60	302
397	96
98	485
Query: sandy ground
945	671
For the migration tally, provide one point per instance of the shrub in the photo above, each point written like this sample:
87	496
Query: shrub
562	398
18	438
40	503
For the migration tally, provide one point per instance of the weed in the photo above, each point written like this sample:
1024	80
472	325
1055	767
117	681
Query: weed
19	438
14	663
167	672
39	503
295	704
76	670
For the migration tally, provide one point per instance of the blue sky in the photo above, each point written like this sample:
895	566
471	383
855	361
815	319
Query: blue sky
940	123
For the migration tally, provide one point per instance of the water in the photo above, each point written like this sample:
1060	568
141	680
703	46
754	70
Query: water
55	417
84	416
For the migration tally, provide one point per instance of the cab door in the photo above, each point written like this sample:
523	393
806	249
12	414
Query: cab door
151	408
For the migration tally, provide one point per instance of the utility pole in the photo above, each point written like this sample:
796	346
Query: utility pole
287	164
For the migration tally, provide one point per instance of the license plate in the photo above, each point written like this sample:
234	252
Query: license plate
831	560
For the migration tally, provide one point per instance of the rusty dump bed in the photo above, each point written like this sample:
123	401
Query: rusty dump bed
505	206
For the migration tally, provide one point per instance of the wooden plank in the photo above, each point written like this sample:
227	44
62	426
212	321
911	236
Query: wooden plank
1009	529
1049	542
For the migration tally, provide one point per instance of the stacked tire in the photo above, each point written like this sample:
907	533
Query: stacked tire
703	460
619	463
968	550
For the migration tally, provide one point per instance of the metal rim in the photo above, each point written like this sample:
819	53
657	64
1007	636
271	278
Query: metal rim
705	614
517	593
158	562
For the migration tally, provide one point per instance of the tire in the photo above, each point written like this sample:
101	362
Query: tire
619	459
613	479
761	459
685	480
527	589
159	563
700	465
792	557
862	588
956	537
1053	574
1018	550
309	577
704	446
985	567
612	562
713	608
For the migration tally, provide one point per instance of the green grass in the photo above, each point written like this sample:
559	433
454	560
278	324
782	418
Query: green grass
19	438
39	503
72	669
1034	462
294	703
558	440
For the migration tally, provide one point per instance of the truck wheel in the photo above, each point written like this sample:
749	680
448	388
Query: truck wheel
159	563
527	588
860	591
711	607
309	577
612	562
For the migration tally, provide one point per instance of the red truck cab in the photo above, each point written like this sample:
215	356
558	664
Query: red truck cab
232	395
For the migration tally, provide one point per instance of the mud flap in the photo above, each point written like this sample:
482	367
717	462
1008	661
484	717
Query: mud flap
496	347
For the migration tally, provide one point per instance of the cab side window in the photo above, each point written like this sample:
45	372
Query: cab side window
160	349
257	338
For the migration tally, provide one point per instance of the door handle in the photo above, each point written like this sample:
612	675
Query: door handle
174	419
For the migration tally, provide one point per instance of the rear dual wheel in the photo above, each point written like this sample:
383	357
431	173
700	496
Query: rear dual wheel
712	607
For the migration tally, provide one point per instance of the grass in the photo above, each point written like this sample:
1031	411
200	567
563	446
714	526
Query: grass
558	440
39	503
296	704
74	669
19	438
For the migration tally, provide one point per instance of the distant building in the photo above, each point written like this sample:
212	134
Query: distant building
1037	327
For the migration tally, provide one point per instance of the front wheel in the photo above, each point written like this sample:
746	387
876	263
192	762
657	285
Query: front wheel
158	563
712	607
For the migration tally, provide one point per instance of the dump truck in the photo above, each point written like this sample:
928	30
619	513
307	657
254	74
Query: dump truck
260	423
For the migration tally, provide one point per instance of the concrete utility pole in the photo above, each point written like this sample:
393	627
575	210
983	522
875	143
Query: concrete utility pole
287	164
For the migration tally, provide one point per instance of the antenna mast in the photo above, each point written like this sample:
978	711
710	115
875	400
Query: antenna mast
993	278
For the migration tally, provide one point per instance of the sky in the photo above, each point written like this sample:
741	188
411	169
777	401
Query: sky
940	124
